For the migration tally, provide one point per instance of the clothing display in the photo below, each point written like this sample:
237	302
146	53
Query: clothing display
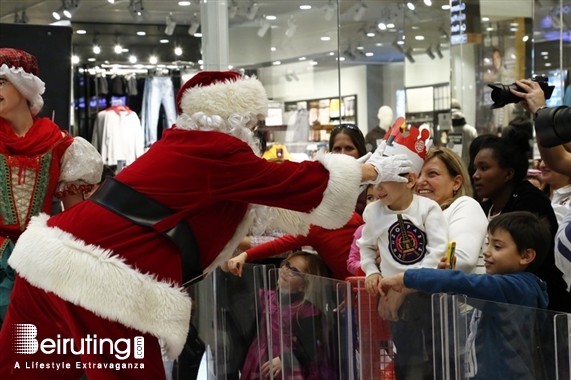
158	91
298	126
423	245
331	245
118	135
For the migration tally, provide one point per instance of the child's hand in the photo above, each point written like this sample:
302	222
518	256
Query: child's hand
373	284
236	264
395	283
443	264
276	368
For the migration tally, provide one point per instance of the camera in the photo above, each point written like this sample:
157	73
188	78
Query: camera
501	94
553	126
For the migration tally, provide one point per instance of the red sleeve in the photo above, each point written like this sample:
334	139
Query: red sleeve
276	247
247	178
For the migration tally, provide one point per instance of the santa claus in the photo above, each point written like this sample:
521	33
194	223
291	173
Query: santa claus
112	267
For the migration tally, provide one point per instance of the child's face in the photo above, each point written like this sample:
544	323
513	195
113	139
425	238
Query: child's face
396	195
501	255
292	275
371	195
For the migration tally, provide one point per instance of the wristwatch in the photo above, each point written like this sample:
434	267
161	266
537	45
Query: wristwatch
535	116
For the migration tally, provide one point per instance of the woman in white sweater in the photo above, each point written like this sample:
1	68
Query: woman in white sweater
444	179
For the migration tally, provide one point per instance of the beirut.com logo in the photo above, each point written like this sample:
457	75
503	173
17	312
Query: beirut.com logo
25	342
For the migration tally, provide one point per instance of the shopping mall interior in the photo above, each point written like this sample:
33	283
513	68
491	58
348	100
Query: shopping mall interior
332	62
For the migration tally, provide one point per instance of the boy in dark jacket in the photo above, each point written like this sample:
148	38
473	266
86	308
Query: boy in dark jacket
502	337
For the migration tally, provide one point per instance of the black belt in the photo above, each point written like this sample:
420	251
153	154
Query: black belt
141	210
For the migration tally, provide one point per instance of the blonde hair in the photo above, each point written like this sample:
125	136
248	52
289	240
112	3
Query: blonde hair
455	166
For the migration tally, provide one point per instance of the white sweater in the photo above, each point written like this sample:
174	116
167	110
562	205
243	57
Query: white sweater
426	229
467	226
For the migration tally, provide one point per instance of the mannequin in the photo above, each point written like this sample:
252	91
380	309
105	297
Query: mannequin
469	133
385	116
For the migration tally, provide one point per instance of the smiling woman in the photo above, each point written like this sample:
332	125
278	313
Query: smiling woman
444	179
500	168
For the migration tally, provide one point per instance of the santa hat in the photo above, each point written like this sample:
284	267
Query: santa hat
222	93
21	69
413	142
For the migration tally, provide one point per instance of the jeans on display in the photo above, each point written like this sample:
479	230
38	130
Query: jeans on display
158	90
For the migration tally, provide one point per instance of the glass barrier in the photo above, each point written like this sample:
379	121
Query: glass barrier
282	324
308	325
475	339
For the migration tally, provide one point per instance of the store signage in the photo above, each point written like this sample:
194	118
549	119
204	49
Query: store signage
465	24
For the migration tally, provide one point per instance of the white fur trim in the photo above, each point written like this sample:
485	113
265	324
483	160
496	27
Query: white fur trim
91	277
244	96
338	201
29	85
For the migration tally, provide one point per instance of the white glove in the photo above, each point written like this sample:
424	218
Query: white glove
390	168
364	159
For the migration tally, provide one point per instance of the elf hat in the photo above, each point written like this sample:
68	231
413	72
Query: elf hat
222	93
21	69
413	143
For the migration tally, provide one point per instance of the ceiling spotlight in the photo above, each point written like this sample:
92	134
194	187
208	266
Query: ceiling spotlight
153	60
57	13
329	10
397	46
96	49
170	25
118	49
428	3
291	27
408	55
133	59
71	8
232	9
178	51
252	10
382	26
16	18
111	1
194	25
410	5
264	28
360	11
430	53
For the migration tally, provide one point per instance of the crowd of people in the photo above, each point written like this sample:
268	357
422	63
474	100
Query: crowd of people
106	267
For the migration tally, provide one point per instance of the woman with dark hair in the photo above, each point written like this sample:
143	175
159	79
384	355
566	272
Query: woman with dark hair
500	169
347	139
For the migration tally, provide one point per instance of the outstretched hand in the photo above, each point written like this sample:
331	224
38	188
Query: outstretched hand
236	264
533	98
391	168
395	283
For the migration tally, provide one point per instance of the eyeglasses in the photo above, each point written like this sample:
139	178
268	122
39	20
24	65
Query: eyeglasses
347	126
288	269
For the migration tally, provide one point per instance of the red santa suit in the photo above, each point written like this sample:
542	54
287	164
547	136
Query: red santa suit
89	271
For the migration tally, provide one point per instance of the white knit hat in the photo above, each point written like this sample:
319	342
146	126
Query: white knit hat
21	69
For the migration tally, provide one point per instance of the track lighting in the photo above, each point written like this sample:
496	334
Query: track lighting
439	52
430	53
232	9
24	19
397	46
71	8
348	53
137	10
252	10
264	28
410	5
58	12
408	55
194	25
170	25
329	10
360	11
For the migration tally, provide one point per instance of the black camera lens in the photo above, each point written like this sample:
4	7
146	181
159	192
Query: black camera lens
501	94
553	126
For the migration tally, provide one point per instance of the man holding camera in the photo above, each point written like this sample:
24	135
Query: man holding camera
553	134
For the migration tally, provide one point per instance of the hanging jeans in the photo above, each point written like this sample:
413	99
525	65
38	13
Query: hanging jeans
158	90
